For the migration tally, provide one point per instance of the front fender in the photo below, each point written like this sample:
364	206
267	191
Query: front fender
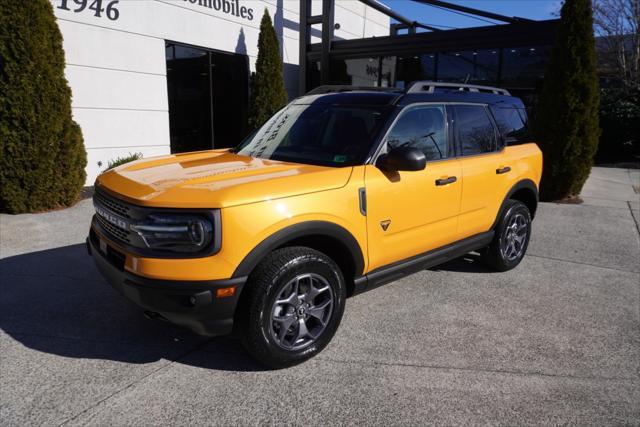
296	231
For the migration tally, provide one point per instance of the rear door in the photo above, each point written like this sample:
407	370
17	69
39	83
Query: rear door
485	172
409	213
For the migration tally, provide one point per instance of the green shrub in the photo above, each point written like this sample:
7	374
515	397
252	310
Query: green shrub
42	155
122	160
620	122
268	94
566	122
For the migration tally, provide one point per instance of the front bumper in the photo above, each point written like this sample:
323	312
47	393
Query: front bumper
191	304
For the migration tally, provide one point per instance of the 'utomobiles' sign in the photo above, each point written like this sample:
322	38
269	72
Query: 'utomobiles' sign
109	8
230	7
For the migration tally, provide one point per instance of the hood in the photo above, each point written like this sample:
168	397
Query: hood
216	179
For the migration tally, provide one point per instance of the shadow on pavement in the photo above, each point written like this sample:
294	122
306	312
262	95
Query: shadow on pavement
55	301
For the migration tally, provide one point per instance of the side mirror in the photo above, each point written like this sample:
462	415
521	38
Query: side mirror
402	159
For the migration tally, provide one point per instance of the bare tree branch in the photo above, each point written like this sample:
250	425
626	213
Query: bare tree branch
617	26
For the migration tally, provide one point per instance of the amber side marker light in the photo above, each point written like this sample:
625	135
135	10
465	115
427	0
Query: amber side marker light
225	292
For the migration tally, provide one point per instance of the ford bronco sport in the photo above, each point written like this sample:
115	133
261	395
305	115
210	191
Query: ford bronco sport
341	191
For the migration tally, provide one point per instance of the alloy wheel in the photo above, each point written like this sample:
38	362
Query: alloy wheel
301	311
514	238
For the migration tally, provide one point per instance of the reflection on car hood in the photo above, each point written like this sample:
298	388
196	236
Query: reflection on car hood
216	178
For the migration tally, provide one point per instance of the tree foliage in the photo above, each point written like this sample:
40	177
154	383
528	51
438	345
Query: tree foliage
566	122
620	122
42	155
268	94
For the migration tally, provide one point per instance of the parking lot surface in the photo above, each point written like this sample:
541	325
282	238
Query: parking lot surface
555	341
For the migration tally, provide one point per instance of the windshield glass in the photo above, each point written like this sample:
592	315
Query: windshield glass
323	135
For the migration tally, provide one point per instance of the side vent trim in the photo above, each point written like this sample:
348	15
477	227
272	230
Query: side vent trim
362	193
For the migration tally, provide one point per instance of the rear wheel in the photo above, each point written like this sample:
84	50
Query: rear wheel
511	238
294	304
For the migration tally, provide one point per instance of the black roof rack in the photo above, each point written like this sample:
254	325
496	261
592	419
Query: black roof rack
428	87
321	90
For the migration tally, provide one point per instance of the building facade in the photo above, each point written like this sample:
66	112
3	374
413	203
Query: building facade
161	76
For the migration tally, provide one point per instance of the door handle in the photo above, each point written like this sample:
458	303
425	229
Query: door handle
505	169
445	181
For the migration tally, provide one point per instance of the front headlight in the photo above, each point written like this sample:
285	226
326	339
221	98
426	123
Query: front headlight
175	232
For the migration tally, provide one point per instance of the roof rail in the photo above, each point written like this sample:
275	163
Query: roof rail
320	90
430	87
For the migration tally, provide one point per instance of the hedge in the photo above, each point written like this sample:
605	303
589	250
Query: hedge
42	155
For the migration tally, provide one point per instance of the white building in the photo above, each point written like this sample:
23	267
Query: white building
156	76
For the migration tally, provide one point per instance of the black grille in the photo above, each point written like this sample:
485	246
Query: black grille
112	204
119	233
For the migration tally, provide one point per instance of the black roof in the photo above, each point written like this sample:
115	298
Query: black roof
397	97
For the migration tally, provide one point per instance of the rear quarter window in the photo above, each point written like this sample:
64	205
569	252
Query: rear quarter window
512	125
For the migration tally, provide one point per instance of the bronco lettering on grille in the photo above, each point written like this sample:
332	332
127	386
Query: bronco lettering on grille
116	220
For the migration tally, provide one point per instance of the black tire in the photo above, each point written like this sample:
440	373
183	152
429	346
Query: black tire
279	273
498	255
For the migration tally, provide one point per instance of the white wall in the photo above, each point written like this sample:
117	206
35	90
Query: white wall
117	69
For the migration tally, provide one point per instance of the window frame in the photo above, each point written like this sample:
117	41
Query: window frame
450	131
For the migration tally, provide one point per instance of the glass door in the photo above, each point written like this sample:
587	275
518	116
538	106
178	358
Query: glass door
208	97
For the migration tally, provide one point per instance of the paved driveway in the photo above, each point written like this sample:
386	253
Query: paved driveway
555	341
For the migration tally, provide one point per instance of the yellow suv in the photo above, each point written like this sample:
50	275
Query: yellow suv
341	191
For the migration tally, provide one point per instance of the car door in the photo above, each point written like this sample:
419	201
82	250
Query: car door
484	170
409	213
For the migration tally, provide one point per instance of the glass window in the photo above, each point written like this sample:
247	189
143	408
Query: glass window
324	135
373	72
415	67
480	67
512	124
421	127
474	130
524	67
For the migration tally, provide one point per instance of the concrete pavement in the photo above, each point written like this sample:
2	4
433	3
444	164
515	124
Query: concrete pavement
555	341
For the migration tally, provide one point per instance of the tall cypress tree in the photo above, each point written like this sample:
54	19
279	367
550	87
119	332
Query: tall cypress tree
268	94
566	122
42	155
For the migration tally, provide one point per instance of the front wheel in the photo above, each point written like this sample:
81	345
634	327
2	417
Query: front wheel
294	304
511	238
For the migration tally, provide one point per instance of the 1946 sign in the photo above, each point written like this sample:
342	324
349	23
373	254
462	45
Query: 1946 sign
110	10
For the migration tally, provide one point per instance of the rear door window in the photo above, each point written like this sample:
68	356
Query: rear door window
474	130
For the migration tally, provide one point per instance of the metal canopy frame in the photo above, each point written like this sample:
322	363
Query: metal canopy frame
517	31
327	21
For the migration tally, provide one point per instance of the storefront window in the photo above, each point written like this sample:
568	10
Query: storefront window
471	66
524	67
208	96
373	72
415	67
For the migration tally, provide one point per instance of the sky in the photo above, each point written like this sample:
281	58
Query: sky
531	9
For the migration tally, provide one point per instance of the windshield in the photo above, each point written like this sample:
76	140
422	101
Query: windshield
323	135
